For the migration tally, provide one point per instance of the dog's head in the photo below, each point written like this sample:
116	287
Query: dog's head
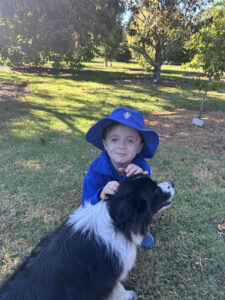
137	199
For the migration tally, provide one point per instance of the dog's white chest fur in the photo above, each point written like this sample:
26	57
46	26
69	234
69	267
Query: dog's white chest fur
95	219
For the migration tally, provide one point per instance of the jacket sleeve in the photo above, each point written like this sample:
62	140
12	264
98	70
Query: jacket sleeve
92	186
147	168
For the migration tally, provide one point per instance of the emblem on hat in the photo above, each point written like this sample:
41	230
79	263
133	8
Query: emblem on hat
127	115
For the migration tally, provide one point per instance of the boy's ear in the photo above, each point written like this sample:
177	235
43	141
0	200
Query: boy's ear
140	147
103	142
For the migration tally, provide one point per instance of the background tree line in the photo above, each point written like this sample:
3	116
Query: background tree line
67	32
61	31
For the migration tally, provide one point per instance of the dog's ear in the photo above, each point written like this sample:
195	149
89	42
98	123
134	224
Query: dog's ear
119	208
130	208
130	213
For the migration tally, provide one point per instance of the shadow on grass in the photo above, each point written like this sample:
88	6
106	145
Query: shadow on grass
104	75
13	110
156	95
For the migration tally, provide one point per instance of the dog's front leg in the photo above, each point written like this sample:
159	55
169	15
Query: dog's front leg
119	293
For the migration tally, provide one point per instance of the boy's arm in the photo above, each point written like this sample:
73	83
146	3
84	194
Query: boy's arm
93	193
109	189
91	190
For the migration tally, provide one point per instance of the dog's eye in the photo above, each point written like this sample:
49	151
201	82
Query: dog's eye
171	185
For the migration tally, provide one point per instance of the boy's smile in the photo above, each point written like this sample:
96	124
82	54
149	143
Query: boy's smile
122	143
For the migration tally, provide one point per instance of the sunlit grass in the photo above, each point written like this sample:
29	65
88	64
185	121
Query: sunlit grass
60	99
44	157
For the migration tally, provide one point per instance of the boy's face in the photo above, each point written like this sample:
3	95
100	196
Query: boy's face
122	143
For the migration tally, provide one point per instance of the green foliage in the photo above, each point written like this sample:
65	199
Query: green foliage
180	56
110	44
62	31
209	43
123	53
158	29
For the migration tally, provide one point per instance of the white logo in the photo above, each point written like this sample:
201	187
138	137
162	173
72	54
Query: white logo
127	115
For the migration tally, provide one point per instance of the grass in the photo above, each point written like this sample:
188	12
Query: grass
40	184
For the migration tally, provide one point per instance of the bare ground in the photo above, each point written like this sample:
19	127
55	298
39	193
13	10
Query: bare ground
9	90
174	127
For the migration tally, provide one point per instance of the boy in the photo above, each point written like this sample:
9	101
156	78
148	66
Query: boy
125	143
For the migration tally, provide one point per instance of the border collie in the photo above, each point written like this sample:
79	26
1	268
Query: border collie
88	256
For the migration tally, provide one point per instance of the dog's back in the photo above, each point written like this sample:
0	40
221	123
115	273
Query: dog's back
65	265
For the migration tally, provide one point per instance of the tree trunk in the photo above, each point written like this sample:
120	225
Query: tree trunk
157	64
106	63
203	100
157	73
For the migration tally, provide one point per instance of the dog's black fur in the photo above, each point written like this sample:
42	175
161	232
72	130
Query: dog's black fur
75	263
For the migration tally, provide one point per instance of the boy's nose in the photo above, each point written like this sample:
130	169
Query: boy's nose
122	144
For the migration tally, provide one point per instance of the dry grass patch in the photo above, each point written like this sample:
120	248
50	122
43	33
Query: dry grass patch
175	128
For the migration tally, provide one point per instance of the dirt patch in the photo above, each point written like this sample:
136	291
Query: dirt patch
10	89
174	127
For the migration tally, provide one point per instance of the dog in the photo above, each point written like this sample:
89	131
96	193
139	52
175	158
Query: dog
91	253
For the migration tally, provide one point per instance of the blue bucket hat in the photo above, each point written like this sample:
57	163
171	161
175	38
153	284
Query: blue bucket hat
128	117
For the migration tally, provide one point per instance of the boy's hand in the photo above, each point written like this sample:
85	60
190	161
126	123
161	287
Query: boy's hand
109	189
133	169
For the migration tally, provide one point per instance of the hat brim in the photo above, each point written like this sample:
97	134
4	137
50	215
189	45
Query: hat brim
150	137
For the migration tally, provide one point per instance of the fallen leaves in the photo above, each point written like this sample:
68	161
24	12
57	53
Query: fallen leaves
42	141
221	226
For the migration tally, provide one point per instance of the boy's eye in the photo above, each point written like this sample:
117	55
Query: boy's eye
114	140
130	141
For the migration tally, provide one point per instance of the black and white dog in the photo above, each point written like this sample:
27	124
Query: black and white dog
88	256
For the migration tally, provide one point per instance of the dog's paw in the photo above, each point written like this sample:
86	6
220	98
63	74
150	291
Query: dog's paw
130	295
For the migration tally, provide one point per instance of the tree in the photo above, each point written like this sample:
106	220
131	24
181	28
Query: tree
157	28
110	44
123	53
209	45
180	56
58	30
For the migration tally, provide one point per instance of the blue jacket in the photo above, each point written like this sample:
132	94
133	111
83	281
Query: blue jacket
101	171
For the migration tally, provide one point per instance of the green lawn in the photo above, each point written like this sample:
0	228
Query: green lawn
40	184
